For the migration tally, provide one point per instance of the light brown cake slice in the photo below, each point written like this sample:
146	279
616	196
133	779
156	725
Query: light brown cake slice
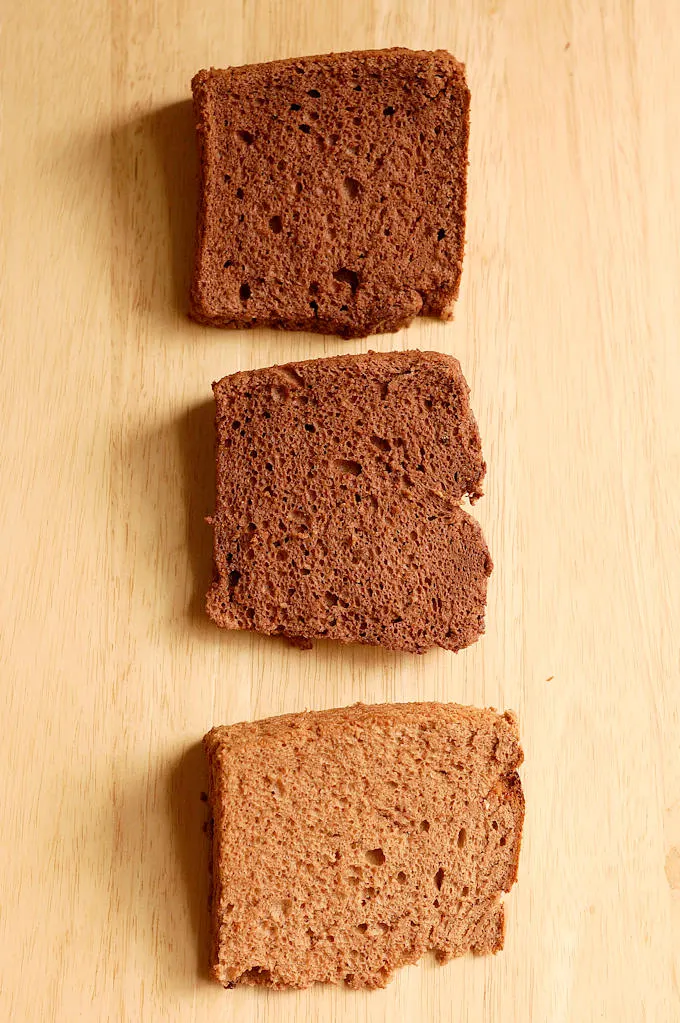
338	490
333	191
348	843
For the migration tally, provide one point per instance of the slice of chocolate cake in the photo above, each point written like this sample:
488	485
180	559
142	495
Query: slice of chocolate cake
332	191
349	842
338	513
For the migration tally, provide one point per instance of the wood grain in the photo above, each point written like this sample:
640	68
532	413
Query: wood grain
568	331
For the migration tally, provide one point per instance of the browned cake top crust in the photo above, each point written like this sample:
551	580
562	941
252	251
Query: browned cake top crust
348	843
333	191
338	490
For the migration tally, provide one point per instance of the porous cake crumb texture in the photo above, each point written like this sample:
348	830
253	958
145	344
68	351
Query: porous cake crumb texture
333	191
350	842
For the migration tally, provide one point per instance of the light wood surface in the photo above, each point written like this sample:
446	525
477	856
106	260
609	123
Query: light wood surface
568	330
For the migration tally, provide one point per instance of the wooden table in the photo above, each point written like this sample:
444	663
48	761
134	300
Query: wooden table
568	330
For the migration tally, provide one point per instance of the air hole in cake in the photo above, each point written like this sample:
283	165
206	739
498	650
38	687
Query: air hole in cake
503	840
309	427
276	225
227	264
281	907
246	137
462	838
348	467
375	856
381	443
295	106
346	276
351	187
388	111
245	292
424	825
257	974
441	233
298	187
439	878
234	577
401	877
314	116
362	928
239	193
292	374
314	93
313	305
465	891
305	128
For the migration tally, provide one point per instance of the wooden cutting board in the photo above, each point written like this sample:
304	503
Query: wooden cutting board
568	331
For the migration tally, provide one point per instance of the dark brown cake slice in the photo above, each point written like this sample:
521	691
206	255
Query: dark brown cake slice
348	843
338	490
332	191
